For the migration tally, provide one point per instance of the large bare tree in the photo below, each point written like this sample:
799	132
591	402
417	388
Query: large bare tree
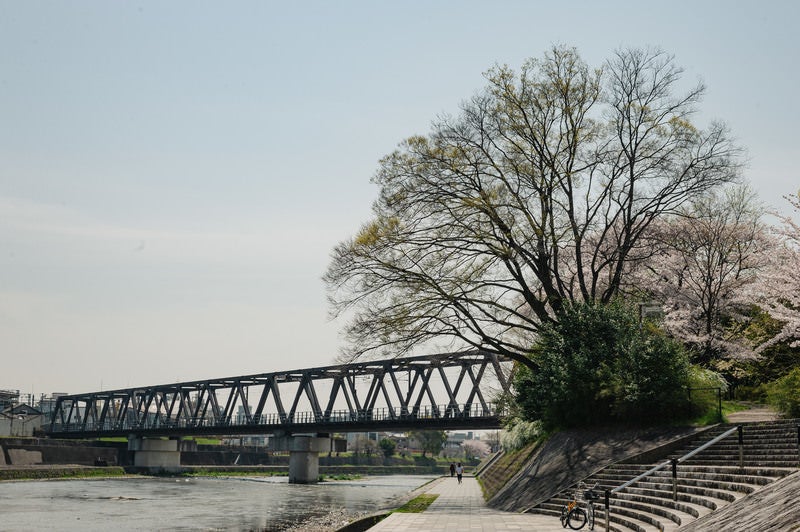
538	193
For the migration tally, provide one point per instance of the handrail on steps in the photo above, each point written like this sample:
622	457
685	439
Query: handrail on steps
674	463
683	458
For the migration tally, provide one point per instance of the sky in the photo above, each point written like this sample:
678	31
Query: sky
174	175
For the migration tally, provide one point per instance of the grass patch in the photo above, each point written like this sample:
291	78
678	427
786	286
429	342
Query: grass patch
711	414
232	473
207	441
728	407
418	504
61	472
340	476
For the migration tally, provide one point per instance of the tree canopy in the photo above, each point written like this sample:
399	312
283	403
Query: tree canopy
601	364
538	193
430	441
778	289
708	258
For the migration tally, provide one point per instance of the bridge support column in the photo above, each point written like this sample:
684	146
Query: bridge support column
303	455
155	454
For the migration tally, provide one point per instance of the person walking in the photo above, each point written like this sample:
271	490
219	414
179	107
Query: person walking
459	471
452	469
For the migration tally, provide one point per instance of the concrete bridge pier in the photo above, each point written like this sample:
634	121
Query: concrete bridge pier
304	452
155	454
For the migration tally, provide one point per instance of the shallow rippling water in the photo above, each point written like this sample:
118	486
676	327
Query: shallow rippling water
129	504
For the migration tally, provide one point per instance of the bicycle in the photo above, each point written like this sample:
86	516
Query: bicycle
575	517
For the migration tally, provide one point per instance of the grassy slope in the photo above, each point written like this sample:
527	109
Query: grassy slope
508	465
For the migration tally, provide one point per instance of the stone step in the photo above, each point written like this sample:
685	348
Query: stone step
748	433
789	442
693	506
678	515
791	422
725	491
684	496
712	483
618	522
694	475
633	470
642	521
749	464
759	450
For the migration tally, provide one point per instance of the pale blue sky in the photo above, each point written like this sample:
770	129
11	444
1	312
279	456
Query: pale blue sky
174	175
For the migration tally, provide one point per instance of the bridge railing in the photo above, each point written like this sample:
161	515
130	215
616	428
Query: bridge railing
153	421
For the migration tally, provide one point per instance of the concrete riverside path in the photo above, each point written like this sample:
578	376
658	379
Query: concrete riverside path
460	507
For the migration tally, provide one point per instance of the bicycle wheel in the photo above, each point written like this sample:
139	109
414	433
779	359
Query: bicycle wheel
563	517
577	518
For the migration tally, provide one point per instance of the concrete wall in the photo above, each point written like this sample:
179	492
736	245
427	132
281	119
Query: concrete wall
20	428
18	452
232	457
155	454
25	457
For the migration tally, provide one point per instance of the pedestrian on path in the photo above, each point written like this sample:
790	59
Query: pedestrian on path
452	469
459	471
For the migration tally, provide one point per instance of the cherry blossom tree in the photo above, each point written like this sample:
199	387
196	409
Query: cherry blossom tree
475	449
779	288
707	258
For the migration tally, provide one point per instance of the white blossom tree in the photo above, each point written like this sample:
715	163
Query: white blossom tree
706	259
779	288
475	449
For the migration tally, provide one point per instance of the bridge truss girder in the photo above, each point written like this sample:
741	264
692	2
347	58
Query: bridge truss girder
446	391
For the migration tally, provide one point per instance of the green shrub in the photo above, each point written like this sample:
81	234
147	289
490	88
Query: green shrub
784	393
424	461
597	365
706	388
756	393
387	447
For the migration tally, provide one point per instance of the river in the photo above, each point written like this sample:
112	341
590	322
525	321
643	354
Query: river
128	504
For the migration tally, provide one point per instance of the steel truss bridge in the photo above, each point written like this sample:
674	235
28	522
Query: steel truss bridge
448	391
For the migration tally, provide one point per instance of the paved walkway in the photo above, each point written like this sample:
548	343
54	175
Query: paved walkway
756	412
460	507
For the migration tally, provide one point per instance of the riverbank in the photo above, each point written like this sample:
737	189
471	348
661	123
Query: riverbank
42	472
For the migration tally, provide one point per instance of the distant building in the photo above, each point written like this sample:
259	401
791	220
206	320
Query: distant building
20	421
8	398
20	416
455	439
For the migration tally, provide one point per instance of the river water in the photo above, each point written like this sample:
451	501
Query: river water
127	504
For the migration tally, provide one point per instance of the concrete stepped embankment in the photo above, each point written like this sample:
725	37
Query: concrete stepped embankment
706	483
